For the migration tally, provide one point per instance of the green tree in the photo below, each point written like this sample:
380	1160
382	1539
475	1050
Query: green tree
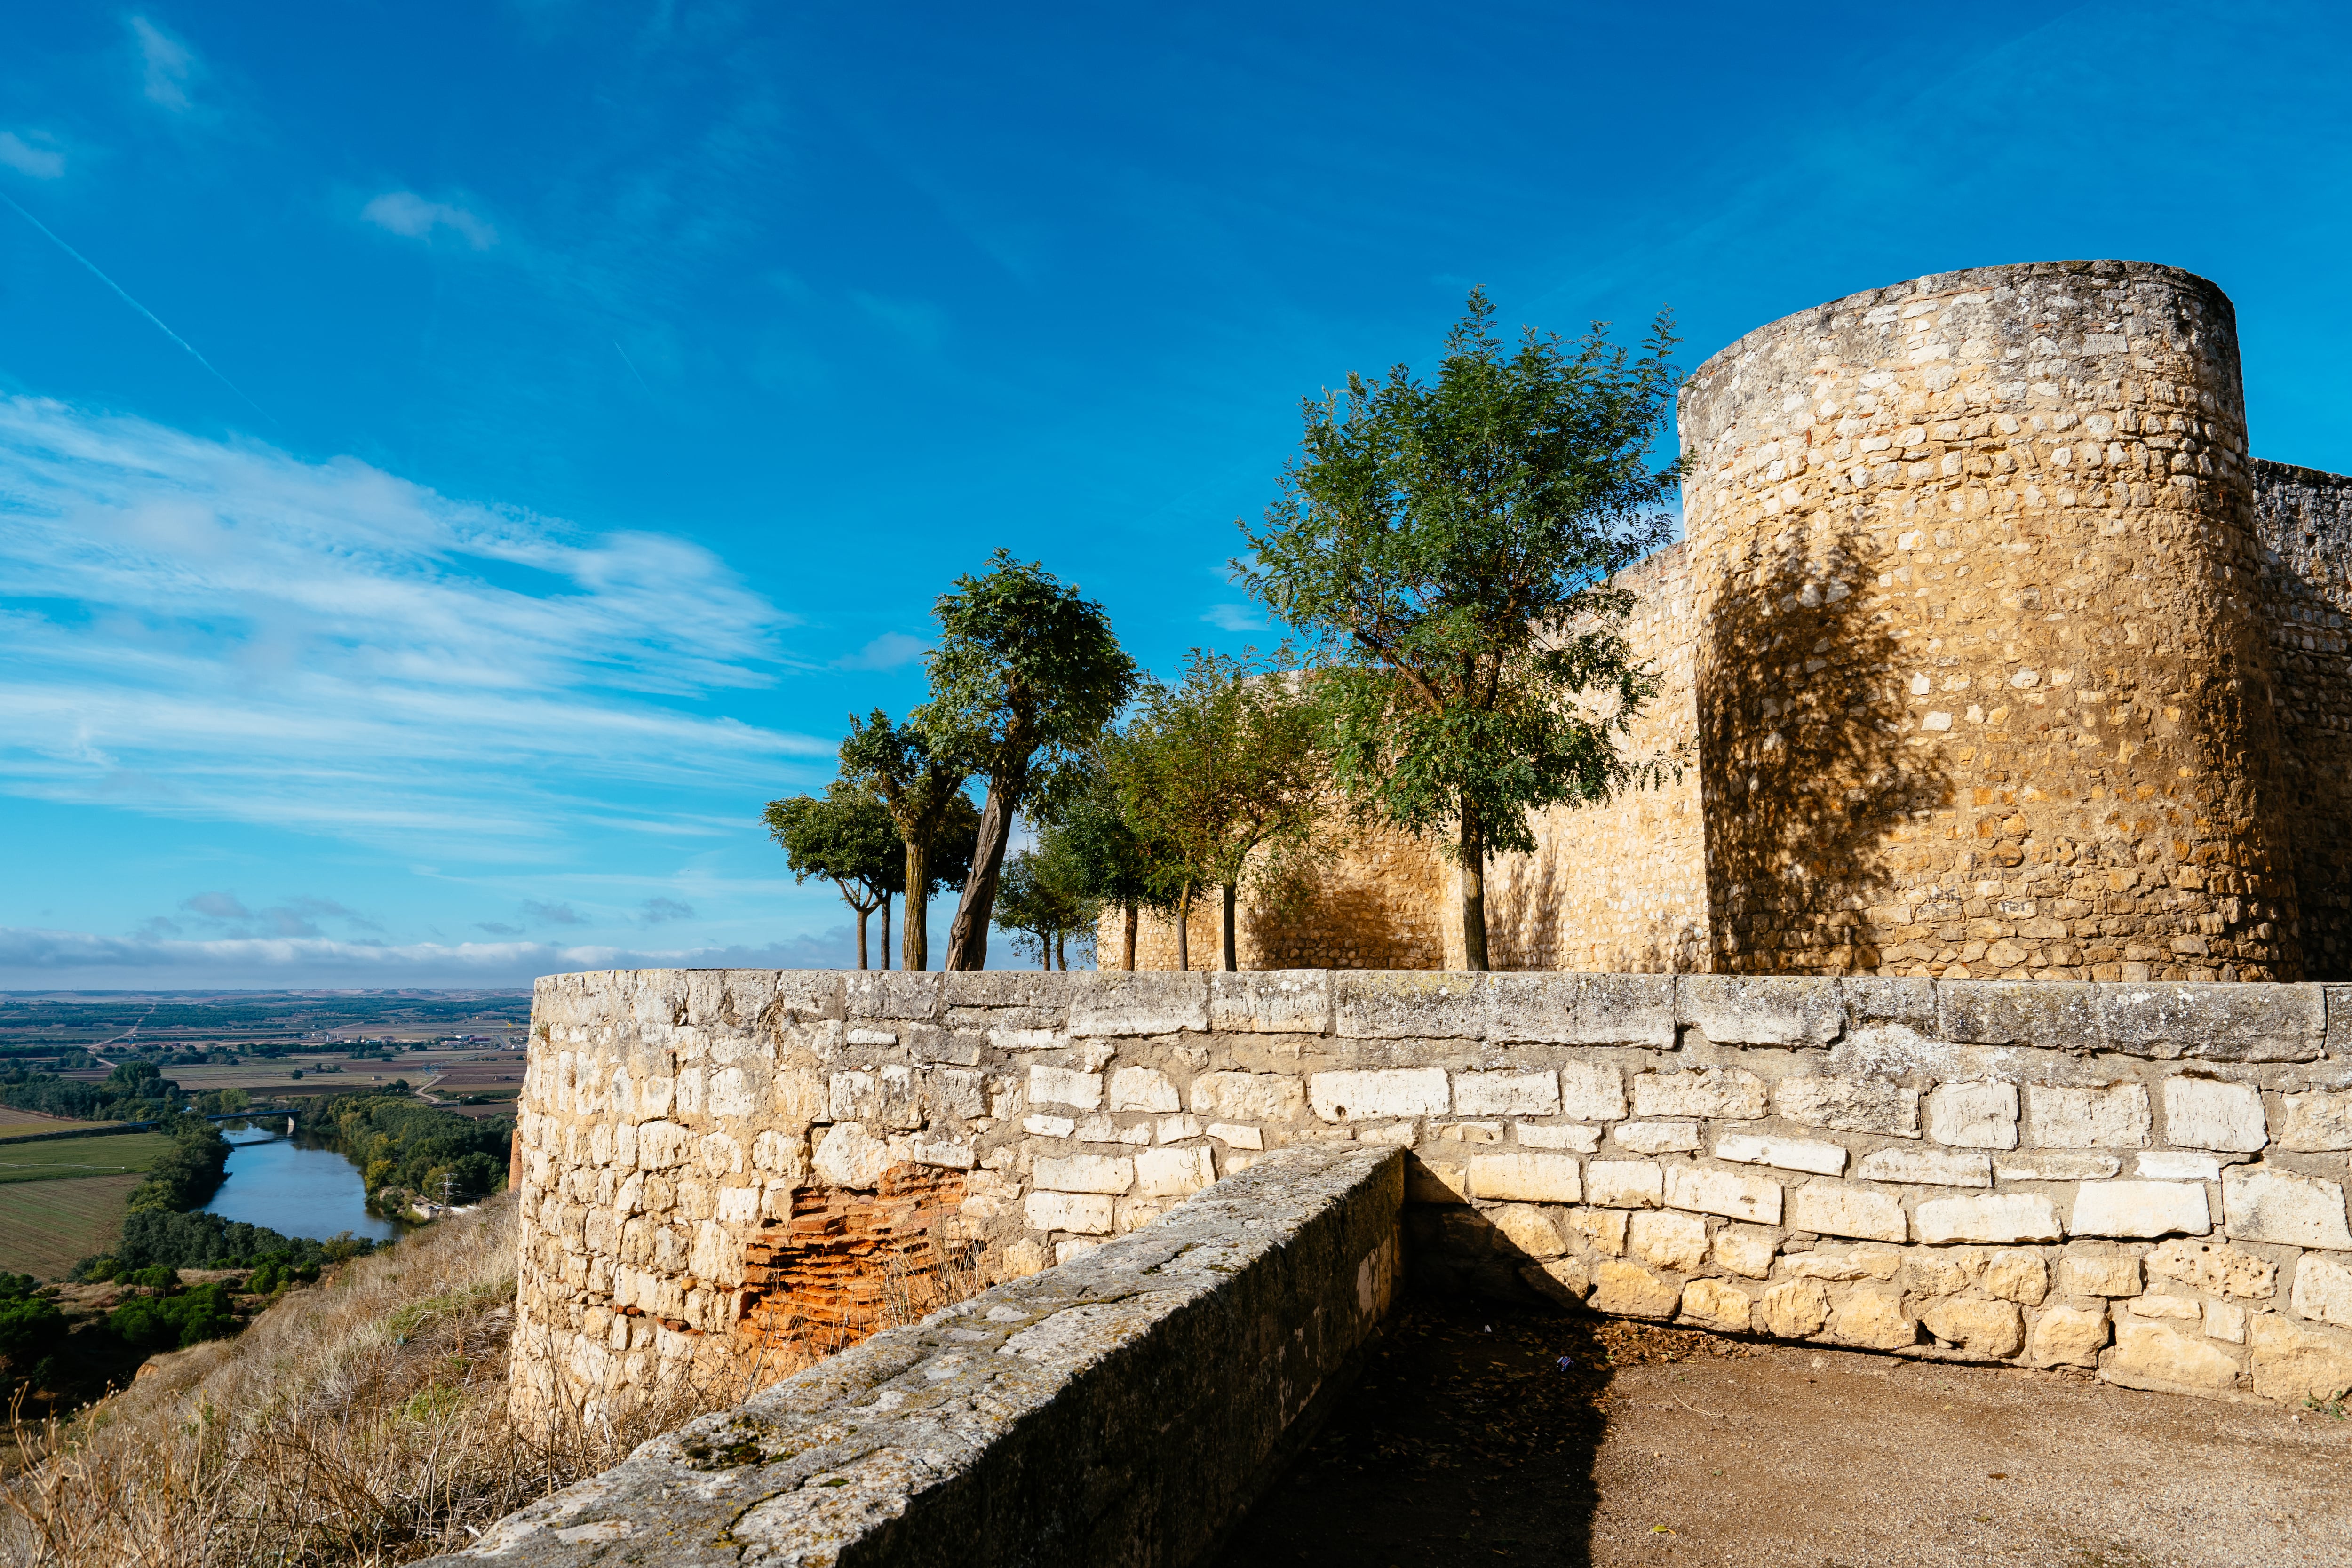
1043	901
919	780
1448	548
1025	677
1215	767
1111	861
848	837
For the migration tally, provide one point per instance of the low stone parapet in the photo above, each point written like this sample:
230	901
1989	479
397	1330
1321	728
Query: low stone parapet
1123	1408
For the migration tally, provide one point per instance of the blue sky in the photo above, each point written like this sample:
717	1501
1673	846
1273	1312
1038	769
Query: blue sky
456	462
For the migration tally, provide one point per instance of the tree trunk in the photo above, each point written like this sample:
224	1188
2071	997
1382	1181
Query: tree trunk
861	934
1184	928
968	936
885	930
1474	890
1126	952
915	940
1062	950
1230	964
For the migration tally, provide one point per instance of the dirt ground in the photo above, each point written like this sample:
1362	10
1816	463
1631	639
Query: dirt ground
1467	1441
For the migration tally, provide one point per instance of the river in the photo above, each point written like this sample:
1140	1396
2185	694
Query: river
293	1189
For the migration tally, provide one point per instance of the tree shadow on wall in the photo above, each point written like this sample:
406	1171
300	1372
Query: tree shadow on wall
1803	768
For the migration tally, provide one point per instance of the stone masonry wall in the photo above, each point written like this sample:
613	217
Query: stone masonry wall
2147	1179
2303	518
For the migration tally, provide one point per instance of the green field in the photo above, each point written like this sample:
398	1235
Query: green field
45	1228
73	1159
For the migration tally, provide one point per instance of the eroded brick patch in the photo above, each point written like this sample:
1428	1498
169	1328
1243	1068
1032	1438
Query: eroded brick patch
848	1263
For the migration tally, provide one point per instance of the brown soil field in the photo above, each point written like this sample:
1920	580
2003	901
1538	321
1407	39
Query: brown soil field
45	1228
14	1122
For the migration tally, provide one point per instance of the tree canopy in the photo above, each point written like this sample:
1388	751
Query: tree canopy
920	779
1043	901
1447	550
848	837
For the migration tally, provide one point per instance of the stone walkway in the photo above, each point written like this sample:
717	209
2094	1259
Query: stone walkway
1467	1442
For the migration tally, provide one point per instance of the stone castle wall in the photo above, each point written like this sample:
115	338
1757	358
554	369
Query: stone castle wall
1995	657
2144	1180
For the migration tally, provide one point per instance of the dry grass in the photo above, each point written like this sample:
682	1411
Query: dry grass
362	1422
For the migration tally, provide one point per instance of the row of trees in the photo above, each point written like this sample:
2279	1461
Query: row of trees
1443	552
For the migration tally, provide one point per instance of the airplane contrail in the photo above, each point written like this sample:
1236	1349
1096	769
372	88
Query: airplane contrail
135	305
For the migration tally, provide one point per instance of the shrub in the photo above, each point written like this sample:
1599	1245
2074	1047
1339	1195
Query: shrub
174	1322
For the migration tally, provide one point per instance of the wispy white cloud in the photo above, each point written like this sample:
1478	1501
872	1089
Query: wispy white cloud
406	213
169	66
891	650
653	911
227	912
216	629
1235	617
41	163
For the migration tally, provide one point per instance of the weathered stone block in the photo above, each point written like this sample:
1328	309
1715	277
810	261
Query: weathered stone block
1088	1214
2057	1018
1785	1153
1082	1173
1591	1091
2057	1165
1981	1328
1721	1192
1746	1249
2294	1363
1903	1001
1833	1209
1042	999
1926	1167
1061	1086
1973	1115
1583	1009
1435	1182
2100	1274
1850	1104
1627	1289
939	1149
1627	1183
1143	1088
2176	1165
1663	1238
1582	1140
1994	1217
851	1157
2215	1022
2323	1290
1173	1172
2259	1204
2225	1321
1565	1281
2140	1208
2151	1356
2213	1267
1656	1137
1223	1131
1270	1002
1716	1304
1504	1094
1110	1003
2319	1119
1872	1318
2019	1276
1526	1229
1601	1230
1408	1005
1842	1264
2064	1117
892	994
1731	1009
1528	1178
2068	1336
1379	1093
1794	1311
1729	1093
1248	1096
2200	1113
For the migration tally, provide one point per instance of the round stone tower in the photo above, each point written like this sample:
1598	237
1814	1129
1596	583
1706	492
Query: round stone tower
1982	686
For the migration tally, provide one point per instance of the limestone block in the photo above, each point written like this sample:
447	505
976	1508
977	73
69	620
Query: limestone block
1995	1216
1656	1137
1926	1167
1529	1178
1527	1228
2176	1165
1906	1002
1379	1093
1088	1214
2155	1355
1591	1091
1041	1126
1665	1239
2259	1204
2068	1336
1406	1004
1567	1280
2055	1017
1937	1272
1716	1304
2215	1021
893	994
2140	1208
1184	1128
1172	1172
737	1205
1602	1230
1627	1289
2213	1267
1850	1105
1833	1209
1786	1154
1732	1010
1973	1115
1016	1039
1465	1131
2316	1121
1843	1264
2100	1274
1627	1183
1980	1328
1099	1128
1721	1192
1270	1002
1061	1086
2323	1290
2117	1117
2201	1114
2295	1362
937	1149
1143	1088
1872	1318
1795	1310
1426	1181
851	1157
960	1093
2060	1165
1110	1003
1504	1094
1729	1093
663	1145
1083	1174
730	1093
2014	1276
2225	1321
1236	1137
1248	1096
1746	1249
1583	1140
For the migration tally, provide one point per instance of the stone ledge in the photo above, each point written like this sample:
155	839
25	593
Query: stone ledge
1124	1406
